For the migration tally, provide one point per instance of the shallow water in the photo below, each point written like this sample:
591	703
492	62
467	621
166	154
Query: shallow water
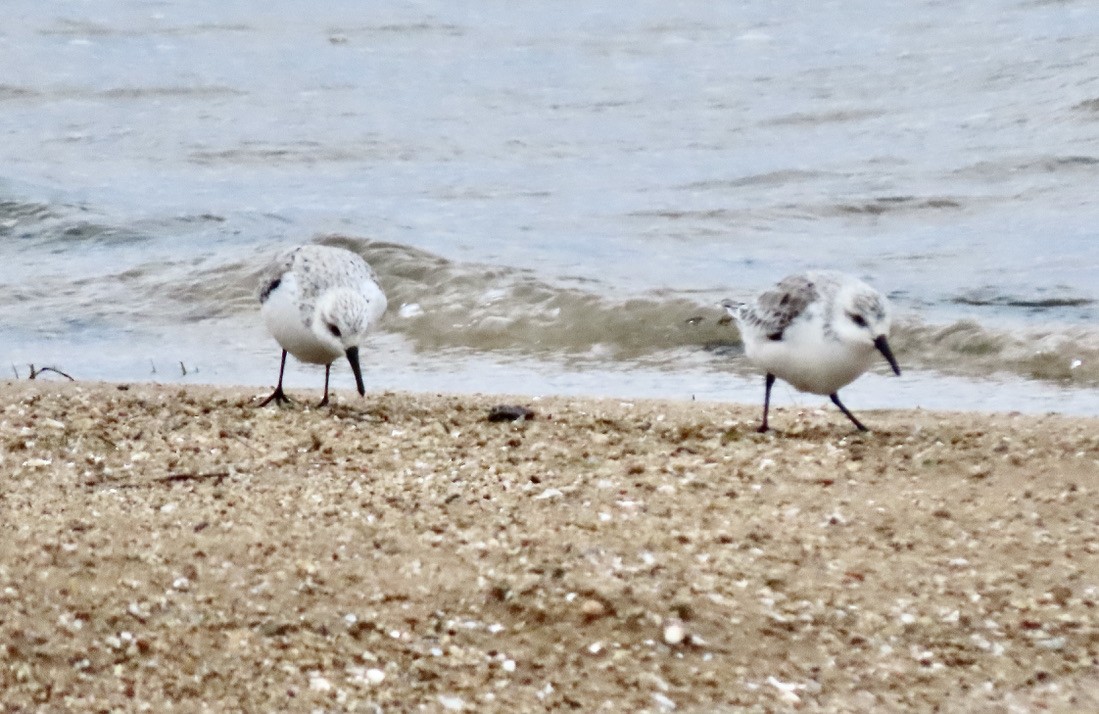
556	201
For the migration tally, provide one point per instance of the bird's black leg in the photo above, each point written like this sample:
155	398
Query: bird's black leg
769	382
836	400
327	370
278	396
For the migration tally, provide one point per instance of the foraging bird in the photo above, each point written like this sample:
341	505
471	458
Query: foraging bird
817	330
319	302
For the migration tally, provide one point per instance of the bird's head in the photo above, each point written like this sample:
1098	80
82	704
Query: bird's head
861	316
342	320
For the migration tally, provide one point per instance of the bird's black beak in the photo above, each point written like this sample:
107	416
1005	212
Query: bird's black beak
353	358
883	346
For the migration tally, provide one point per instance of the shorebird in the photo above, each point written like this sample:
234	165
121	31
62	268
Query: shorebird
817	330
319	302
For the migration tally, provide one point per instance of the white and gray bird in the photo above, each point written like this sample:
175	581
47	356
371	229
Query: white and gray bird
818	331
319	302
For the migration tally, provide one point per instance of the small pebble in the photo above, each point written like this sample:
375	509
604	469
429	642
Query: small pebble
592	609
674	633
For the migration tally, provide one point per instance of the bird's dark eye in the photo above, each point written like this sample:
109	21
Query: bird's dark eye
334	330
857	319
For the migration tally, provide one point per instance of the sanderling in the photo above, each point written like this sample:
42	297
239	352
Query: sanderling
816	330
319	302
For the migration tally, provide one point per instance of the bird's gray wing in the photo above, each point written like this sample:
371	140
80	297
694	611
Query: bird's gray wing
271	276
774	309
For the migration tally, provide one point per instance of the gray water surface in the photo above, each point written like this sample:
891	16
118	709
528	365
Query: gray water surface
565	185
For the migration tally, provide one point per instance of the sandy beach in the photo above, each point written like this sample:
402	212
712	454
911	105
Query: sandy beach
179	549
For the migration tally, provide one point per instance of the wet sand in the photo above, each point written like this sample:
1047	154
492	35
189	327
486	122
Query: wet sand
169	548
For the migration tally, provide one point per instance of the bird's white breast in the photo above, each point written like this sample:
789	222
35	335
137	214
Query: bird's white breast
287	324
808	358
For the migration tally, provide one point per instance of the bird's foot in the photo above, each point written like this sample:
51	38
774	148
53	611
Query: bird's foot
278	397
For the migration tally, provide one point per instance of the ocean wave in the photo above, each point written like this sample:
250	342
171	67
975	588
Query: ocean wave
1009	169
825	117
873	207
1067	354
438	304
57	226
15	214
891	204
301	152
993	297
82	28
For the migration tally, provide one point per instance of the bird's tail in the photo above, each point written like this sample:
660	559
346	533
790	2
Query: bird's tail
734	308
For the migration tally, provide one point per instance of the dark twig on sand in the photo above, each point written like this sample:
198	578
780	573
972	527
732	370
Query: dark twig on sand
218	477
55	370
